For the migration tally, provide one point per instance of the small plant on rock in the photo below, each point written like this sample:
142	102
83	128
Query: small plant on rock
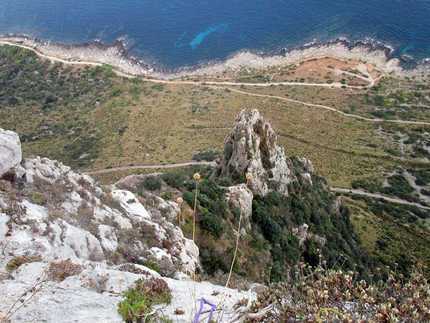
59	271
28	257
136	307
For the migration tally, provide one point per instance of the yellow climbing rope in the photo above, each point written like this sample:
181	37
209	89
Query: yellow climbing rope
328	310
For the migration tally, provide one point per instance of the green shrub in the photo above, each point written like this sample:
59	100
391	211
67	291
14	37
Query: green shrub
272	231
425	192
152	265
212	260
207	155
95	70
212	224
174	180
167	195
189	198
422	175
37	198
152	183
392	151
108	71
15	262
115	92
235	210
223	181
158	87
138	301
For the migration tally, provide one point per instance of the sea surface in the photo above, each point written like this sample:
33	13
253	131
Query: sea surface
183	33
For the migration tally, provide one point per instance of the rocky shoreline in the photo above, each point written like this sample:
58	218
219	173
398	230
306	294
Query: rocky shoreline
116	55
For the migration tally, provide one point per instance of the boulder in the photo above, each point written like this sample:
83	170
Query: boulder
10	151
406	58
303	233
307	165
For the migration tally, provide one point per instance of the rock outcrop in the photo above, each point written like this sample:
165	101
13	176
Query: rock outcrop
53	214
252	147
240	196
302	233
10	151
72	215
93	295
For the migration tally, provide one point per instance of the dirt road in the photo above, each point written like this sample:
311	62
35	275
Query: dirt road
390	199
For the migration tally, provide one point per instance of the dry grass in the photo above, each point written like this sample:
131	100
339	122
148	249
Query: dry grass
60	270
169	124
325	137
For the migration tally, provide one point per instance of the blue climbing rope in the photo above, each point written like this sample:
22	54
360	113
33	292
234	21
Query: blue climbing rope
202	302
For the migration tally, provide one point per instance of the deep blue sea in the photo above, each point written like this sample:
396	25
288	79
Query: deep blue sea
178	33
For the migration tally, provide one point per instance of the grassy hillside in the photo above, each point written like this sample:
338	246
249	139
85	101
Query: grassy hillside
89	118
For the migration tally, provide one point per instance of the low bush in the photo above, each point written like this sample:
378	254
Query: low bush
138	301
212	224
167	195
207	155
152	183
15	262
174	180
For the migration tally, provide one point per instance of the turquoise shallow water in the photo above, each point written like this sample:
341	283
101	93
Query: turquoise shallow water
179	33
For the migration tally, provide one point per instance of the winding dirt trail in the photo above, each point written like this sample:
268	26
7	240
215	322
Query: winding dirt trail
390	199
218	85
329	108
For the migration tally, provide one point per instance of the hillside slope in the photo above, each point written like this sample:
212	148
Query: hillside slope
70	246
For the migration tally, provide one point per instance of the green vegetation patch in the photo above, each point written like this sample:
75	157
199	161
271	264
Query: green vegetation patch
207	155
398	186
138	300
393	233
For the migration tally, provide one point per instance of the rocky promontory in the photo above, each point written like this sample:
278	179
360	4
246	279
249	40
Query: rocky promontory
252	148
71	246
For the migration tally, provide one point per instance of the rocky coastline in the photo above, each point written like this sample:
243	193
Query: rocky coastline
116	55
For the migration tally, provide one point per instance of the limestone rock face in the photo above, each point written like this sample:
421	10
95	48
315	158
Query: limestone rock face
68	215
241	196
131	182
252	147
155	205
307	164
10	150
55	215
94	294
